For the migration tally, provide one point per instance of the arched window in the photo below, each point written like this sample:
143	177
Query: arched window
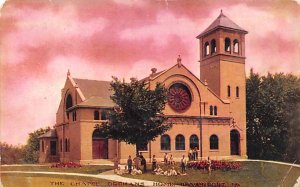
103	115
236	46
61	145
227	45
43	146
66	144
237	91
206	49
213	46
194	141
96	115
214	142
228	91
69	101
215	111
165	142
211	110
179	142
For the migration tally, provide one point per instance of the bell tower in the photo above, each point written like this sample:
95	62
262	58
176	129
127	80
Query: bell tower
222	66
222	56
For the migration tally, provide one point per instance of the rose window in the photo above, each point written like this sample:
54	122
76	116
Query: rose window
179	97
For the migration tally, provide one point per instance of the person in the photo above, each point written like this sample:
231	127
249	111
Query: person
158	171
116	162
137	162
173	172
129	164
191	154
153	163
136	172
143	163
209	165
183	164
196	153
166	158
171	160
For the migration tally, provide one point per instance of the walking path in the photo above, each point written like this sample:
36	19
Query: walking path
108	175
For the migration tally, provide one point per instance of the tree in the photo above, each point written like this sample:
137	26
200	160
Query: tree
138	118
33	145
272	101
11	154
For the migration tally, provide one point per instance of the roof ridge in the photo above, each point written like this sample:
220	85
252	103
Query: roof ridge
91	79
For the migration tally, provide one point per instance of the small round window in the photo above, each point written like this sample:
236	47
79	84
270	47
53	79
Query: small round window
179	97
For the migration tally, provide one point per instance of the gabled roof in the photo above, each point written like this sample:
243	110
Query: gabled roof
95	101
222	21
90	88
50	134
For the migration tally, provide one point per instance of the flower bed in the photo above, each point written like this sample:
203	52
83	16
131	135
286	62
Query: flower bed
215	165
66	165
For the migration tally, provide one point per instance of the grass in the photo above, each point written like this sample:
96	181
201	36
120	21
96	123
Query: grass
33	180
251	174
88	169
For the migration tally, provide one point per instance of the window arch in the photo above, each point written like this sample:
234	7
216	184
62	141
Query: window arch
215	110
236	46
211	110
96	115
228	91
103	115
179	142
237	91
213	46
206	49
227	45
214	142
165	142
194	141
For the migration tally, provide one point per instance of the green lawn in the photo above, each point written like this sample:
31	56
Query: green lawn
38	180
88	169
252	174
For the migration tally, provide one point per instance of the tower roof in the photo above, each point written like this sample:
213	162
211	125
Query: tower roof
222	21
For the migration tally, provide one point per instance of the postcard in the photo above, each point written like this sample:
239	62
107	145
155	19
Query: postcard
150	93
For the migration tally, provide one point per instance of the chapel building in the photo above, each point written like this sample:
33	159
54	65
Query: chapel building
207	113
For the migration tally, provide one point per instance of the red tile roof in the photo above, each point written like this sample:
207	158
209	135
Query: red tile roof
222	21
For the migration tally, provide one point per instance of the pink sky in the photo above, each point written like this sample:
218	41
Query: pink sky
41	40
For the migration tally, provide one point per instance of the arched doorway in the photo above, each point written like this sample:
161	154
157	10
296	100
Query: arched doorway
100	146
234	142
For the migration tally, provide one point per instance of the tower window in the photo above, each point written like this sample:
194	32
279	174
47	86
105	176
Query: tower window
69	102
210	110
227	45
206	49
96	115
213	46
214	142
236	46
228	91
215	110
237	91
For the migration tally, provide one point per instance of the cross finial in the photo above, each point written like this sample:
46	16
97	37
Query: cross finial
68	74
179	60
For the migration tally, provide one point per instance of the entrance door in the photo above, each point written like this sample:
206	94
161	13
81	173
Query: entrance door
235	142
100	149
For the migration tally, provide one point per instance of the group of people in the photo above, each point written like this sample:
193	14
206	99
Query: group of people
168	160
133	165
193	154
